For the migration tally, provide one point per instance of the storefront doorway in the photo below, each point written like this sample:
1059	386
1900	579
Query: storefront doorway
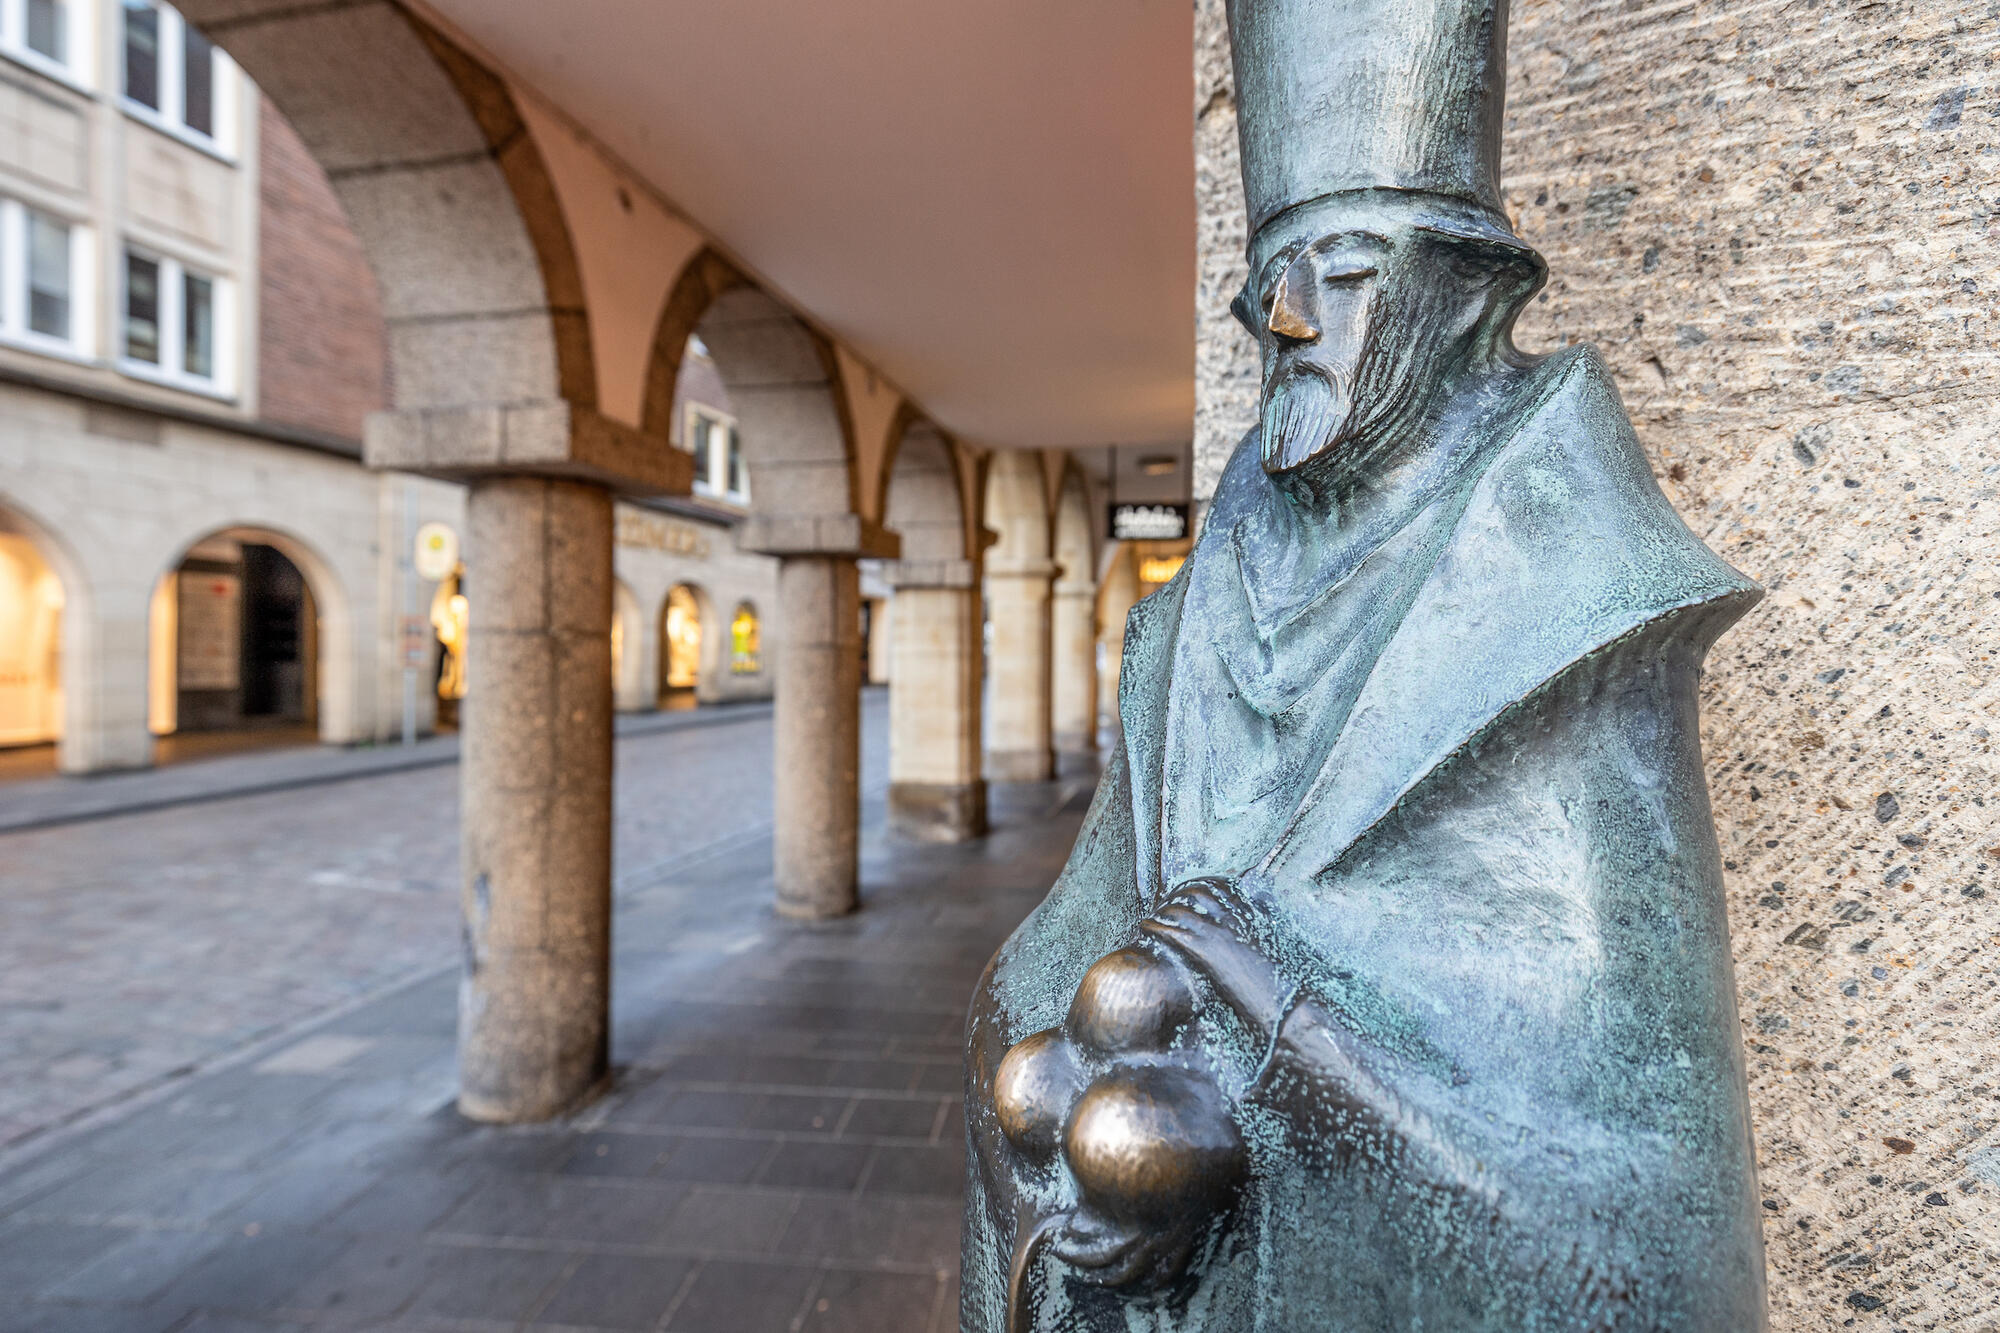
235	650
680	647
31	695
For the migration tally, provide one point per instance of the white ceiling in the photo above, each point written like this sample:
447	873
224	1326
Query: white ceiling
991	200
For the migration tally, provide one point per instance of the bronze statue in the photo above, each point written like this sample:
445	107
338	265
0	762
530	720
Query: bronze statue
1388	986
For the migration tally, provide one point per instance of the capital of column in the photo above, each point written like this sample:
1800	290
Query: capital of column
1045	570
951	574
547	438
848	535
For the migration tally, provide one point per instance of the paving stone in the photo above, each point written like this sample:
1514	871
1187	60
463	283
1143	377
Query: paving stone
722	1219
710	1182
810	1164
733	1297
617	1291
851	1302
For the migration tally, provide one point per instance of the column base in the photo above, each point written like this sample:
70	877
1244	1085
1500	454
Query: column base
937	811
1079	761
1037	765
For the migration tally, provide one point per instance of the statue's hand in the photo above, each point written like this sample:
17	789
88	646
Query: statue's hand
1218	930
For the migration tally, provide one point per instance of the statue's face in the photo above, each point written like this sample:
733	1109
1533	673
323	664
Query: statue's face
1315	306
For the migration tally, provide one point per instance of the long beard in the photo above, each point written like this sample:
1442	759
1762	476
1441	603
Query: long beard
1310	418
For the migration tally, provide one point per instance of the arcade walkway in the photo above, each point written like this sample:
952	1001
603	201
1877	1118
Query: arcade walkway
781	1149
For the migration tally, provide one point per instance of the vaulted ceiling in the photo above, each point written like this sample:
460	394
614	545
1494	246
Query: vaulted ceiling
992	202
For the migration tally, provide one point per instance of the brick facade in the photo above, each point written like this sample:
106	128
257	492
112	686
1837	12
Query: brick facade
322	354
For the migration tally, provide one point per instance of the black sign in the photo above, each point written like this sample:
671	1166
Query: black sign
1148	523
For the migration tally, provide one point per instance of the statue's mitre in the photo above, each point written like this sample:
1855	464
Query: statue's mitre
1389	97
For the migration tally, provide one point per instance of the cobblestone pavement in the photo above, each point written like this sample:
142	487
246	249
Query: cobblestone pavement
138	947
782	1148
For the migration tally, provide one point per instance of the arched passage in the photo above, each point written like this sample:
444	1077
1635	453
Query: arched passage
784	383
936	792
628	650
687	647
1019	575
249	636
40	595
1073	624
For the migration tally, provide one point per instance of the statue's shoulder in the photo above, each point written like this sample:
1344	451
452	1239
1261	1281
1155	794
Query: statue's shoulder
1571	486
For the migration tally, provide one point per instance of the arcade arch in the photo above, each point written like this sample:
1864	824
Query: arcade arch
687	652
40	608
249	628
1019	577
628	649
1073	624
936	791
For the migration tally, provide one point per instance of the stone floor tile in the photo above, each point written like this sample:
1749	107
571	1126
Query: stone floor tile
859	1302
505	1284
720	1219
37	1255
810	1164
625	1155
936	1170
716	1160
137	1268
733	1297
617	1291
891	1117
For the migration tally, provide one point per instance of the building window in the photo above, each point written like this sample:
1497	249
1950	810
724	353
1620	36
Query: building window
743	647
48	35
176	324
718	455
176	78
45	274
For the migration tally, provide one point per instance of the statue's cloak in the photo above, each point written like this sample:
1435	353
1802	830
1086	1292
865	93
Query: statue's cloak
1499	877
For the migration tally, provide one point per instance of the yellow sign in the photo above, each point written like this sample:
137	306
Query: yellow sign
1160	569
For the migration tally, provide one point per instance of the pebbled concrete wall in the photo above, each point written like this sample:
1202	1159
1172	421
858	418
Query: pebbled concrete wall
1780	222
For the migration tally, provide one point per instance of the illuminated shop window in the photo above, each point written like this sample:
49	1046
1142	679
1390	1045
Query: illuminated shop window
743	652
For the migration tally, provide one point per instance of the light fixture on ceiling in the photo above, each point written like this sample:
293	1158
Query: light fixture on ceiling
1159	465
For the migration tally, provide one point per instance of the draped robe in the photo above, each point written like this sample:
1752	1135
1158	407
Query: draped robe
1468	781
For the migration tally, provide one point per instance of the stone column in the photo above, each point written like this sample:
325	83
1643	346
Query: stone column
105	648
936	793
534	1003
1018	739
1073	682
818	725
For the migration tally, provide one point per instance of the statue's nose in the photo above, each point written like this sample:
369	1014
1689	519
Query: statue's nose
1292	314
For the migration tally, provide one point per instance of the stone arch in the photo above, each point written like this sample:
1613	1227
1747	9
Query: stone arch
628	649
784	384
335	681
78	716
923	499
444	184
1016	508
675	672
1073	703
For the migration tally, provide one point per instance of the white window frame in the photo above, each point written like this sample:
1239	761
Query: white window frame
722	426
173	332
14	329
170	117
77	68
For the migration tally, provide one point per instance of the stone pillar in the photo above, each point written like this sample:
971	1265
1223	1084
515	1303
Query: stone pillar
1073	670
818	724
105	647
1018	739
534	1002
936	793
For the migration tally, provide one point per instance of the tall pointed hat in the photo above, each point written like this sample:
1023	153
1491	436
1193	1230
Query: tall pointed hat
1399	99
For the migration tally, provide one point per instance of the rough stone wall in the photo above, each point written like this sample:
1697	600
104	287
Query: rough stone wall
1780	222
1225	358
322	350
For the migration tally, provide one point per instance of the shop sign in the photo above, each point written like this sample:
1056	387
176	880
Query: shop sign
650	532
437	551
1148	523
